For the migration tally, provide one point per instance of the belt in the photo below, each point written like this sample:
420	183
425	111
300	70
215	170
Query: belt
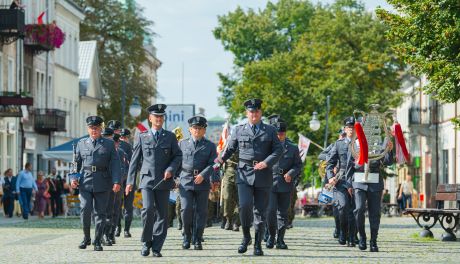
194	172
249	162
94	168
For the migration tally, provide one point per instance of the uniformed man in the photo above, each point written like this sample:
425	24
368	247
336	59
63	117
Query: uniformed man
372	193
259	148
285	171
340	156
195	180
99	166
230	194
335	211
158	155
127	199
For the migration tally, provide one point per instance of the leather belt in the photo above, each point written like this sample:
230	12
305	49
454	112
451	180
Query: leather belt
194	172
250	162
94	168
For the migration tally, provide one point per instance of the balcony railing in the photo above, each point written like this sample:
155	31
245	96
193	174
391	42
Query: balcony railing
49	120
11	24
419	116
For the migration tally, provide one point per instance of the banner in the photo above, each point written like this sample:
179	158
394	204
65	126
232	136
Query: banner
304	144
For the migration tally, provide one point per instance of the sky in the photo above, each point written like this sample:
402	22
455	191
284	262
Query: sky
184	39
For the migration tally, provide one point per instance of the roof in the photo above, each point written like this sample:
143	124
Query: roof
87	52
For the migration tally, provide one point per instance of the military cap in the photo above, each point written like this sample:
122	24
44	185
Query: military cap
157	109
116	137
107	132
125	132
281	126
253	104
114	124
274	119
349	121
94	121
197	121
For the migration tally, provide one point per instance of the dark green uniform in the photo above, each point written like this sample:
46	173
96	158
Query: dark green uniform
230	193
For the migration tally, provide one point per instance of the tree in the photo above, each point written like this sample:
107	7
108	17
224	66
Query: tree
426	34
120	32
340	51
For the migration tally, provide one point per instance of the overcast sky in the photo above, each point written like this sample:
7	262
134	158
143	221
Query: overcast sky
184	29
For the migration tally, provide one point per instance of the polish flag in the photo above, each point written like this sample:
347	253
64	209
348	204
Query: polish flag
142	127
40	18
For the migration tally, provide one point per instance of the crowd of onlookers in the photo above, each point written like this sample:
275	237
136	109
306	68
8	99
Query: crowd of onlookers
26	194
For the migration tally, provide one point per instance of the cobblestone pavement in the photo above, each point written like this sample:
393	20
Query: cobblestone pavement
310	241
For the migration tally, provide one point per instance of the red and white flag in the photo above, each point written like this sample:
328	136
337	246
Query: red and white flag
223	137
304	144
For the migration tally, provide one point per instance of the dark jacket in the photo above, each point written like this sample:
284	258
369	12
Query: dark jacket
289	163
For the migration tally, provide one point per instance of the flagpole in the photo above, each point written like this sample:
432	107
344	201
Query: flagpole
311	141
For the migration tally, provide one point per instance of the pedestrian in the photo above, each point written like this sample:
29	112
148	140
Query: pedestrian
259	148
340	156
405	192
55	190
127	199
42	195
9	192
158	156
195	180
25	185
99	166
285	172
370	193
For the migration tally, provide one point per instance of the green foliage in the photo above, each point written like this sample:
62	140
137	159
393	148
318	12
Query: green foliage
120	32
426	34
294	62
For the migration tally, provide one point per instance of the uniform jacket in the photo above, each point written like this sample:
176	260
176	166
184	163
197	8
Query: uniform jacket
105	157
124	163
264	146
340	155
9	187
200	159
154	158
127	148
289	163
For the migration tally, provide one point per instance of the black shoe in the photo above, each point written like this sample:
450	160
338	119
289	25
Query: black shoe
145	251
281	245
244	246
373	246
362	244
156	254
127	234
112	239
236	228
117	231
84	243
224	222
198	246
186	245
280	240
179	226
97	246
336	233
270	242
351	243
257	243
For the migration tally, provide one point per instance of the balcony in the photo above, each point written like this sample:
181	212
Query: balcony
11	24
419	121
43	37
49	120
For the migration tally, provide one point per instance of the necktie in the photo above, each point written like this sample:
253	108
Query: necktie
94	142
254	129
195	143
157	134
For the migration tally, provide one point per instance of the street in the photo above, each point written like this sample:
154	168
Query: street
310	241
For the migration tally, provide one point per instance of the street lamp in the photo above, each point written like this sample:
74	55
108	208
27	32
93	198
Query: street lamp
135	108
314	122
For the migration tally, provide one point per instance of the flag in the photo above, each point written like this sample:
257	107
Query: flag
402	155
223	137
304	143
142	127
40	18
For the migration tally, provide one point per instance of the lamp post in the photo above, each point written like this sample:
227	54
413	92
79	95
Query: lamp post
135	108
315	124
123	100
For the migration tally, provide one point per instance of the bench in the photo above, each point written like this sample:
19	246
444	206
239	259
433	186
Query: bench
317	209
390	209
447	218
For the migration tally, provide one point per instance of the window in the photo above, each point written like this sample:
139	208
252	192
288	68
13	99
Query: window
9	151
10	75
1	72
27	80
445	167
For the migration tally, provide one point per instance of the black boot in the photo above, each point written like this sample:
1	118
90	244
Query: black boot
362	243
270	242
336	233
127	227
258	241
187	238
86	242
112	235
145	251
246	240
97	245
351	241
199	237
280	240
373	242
118	231
342	238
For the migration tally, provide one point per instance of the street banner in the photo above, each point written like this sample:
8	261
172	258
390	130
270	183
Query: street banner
304	144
